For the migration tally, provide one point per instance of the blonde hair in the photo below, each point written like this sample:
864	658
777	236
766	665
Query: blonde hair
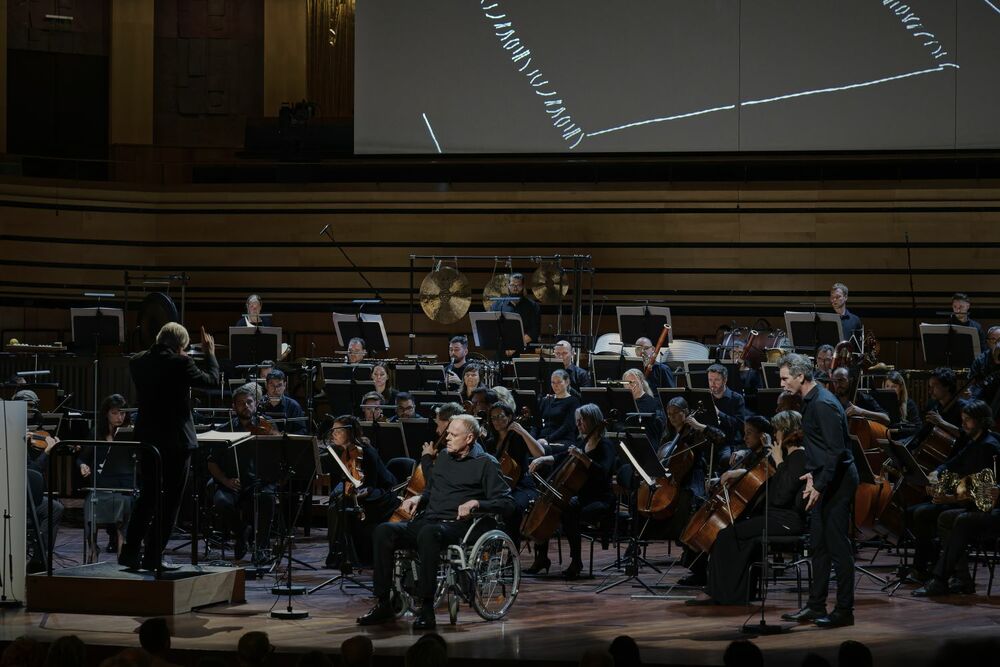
507	398
174	336
471	425
637	374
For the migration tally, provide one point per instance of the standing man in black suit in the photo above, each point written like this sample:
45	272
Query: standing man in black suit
163	376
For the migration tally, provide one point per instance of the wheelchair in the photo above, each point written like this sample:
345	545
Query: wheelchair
483	570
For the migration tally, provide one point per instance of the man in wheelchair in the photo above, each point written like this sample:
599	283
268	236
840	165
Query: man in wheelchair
464	479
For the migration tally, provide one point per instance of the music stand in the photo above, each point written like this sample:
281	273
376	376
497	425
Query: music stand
697	397
951	345
95	327
635	322
808	331
417	431
368	327
767	402
341	371
889	402
389	440
497	331
667	394
865	476
613	366
252	345
47	393
772	375
345	395
696	371
418	376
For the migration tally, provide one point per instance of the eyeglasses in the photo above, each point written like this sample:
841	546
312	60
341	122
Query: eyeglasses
500	416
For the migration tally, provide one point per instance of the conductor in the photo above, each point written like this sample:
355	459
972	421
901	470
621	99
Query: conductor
163	374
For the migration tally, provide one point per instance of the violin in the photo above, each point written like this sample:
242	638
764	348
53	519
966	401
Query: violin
416	484
352	457
38	439
261	425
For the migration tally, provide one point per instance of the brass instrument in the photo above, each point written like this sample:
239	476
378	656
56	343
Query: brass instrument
977	487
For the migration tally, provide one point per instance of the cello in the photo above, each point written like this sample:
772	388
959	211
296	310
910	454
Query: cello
509	467
658	500
416	483
871	499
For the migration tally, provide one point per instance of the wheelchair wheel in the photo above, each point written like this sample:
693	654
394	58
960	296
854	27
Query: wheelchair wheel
403	585
453	600
496	575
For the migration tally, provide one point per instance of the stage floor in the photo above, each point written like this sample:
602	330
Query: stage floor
553	620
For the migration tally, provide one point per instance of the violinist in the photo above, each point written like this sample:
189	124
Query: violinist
458	352
371	407
976	449
824	358
659	374
577	376
985	369
783	513
465	479
482	399
38	460
513	447
862	405
557	412
232	497
687	434
645	403
944	408
356	350
850	322
380	376
373	503
595	498
471	380
727	400
960	305
909	415
114	469
277	402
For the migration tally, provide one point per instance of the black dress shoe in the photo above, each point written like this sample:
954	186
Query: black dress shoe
538	566
961	586
804	615
693	580
933	588
573	570
839	618
128	561
425	619
381	613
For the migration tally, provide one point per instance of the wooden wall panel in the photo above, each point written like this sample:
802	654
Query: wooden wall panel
131	78
284	54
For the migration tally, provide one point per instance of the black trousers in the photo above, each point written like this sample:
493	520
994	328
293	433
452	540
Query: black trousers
829	537
236	510
957	528
512	520
141	525
581	510
737	546
429	538
357	549
923	523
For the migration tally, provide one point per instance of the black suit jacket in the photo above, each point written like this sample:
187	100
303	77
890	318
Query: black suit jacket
162	379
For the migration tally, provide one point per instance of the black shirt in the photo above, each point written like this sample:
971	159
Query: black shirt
953	415
653	425
971	456
827	437
661	376
455	481
518	450
578	377
558	419
851	324
732	404
529	312
602	462
287	408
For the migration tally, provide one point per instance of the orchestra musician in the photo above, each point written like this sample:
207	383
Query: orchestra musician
727	400
278	403
943	410
253	316
114	469
646	403
406	407
371	407
757	431
850	322
519	303
578	377
357	350
738	545
375	501
862	405
442	417
557	412
595	498
505	396
482	399
458	352
985	370
380	376
464	479
659	374
233	497
960	305
974	450
471	379
958	523
824	358
909	414
508	438
38	462
831	481
163	376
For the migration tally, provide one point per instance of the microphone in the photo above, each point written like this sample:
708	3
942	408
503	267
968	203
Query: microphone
324	230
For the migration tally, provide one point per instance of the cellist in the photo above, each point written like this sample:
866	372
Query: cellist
861	405
511	443
594	499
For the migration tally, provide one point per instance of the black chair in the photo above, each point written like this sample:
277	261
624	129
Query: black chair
782	553
986	551
401	468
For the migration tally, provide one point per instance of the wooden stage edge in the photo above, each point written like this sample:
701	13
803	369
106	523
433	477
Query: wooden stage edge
553	621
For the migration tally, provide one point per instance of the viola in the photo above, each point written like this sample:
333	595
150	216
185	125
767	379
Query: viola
37	439
261	425
352	457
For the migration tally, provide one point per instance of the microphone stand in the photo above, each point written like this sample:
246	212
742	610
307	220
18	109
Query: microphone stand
763	627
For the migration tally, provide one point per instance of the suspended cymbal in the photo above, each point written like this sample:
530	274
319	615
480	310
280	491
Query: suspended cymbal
445	295
155	310
497	286
548	284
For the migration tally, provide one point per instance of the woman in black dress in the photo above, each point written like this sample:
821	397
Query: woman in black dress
646	403
507	438
736	547
557	413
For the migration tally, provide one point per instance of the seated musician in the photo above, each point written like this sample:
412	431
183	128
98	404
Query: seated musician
659	374
442	417
371	407
645	403
557	411
471	379
233	497
482	399
960	305
756	431
114	470
975	449
253	317
595	498
751	378
862	405
406	407
944	408
909	414
519	303
356	350
738	545
458	351
850	323
509	440
685	431
465	479
380	376
505	396
277	403
726	399
38	463
363	508
824	358
985	369
578	377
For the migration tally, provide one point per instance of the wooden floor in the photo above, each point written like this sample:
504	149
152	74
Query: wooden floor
553	620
